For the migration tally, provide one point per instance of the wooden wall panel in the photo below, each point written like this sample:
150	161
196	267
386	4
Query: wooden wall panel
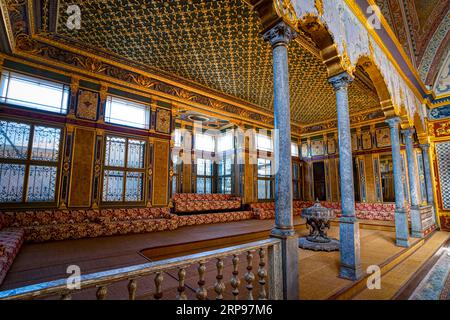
333	180
370	179
82	168
187	178
161	172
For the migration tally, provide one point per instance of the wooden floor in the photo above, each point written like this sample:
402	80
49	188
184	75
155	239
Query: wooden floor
318	270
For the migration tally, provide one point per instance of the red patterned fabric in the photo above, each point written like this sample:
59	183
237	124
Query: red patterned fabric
445	222
211	218
51	225
192	202
366	211
11	240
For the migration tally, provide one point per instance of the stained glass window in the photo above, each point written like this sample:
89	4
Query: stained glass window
124	167
31	92
32	176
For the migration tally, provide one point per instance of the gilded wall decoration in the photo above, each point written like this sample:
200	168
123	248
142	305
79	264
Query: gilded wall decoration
439	113
383	137
317	148
354	142
442	129
87	105
331	146
305	150
163	120
366	138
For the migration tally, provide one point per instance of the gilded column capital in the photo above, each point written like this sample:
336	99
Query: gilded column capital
393	122
341	81
425	146
280	34
408	132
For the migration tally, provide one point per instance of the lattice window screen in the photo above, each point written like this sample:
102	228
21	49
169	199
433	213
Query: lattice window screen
443	155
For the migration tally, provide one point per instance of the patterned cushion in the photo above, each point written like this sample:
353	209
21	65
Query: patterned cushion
192	202
366	211
11	240
210	218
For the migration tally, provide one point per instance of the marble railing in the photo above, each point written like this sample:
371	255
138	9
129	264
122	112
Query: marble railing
264	283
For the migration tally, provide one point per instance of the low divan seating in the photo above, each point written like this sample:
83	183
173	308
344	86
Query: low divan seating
11	239
50	225
210	218
192	202
266	210
365	211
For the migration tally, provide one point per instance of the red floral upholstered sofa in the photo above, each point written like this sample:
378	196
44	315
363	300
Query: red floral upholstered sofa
266	210
365	211
137	220
210	218
11	240
192	202
51	225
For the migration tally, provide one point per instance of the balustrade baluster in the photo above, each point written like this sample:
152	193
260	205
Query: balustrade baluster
202	294
132	287
102	291
262	274
158	284
181	287
235	282
219	287
249	276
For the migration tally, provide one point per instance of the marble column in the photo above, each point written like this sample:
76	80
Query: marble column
279	37
401	217
428	181
349	226
416	223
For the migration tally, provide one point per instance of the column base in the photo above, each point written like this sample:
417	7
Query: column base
350	267
402	243
350	273
289	249
416	222
401	228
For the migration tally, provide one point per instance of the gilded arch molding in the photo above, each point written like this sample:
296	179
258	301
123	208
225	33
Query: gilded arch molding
342	40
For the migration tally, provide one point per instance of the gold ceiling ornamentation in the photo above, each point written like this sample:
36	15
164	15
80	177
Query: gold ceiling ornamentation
91	65
346	63
285	9
25	43
14	5
319	6
214	47
143	80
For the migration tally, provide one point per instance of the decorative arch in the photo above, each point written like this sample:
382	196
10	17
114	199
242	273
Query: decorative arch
387	105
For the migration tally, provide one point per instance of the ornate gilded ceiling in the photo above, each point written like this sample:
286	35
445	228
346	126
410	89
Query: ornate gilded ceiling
201	52
422	28
214	43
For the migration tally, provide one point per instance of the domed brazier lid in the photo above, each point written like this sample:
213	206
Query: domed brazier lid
318	211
